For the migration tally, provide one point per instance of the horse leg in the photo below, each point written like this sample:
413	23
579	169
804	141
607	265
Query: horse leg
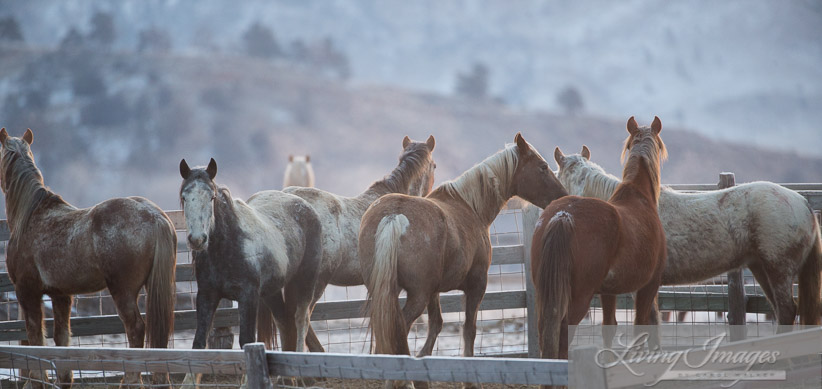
62	331
761	276
247	305
783	302
434	325
129	312
646	300
609	322
32	304
207	302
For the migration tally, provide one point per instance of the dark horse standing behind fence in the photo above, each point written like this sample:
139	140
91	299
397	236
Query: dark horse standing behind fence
265	250
121	244
438	243
584	246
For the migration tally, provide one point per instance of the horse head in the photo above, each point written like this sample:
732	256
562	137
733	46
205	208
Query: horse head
533	179
197	196
572	170
644	148
422	184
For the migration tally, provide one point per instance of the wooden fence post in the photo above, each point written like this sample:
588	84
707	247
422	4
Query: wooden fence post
530	215
584	372
737	300
256	367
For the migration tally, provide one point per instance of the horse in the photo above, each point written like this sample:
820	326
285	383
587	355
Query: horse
266	249
441	242
299	172
766	227
57	249
340	216
583	246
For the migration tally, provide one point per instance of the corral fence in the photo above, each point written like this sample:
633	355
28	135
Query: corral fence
735	297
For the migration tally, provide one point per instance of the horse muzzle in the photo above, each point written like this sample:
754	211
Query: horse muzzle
197	242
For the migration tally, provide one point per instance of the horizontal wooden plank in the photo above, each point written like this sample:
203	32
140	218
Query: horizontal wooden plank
507	255
184	272
513	371
123	359
111	324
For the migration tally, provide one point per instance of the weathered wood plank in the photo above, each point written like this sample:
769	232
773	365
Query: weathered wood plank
514	371
256	366
529	220
507	255
125	359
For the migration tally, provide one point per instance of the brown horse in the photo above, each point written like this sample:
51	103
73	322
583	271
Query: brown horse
584	246
56	249
438	243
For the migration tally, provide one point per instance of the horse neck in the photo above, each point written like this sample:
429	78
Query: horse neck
398	181
639	181
485	203
25	194
599	184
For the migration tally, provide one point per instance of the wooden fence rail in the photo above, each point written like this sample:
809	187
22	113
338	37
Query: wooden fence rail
513	371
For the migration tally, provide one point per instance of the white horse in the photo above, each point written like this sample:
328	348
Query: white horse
340	216
299	172
761	225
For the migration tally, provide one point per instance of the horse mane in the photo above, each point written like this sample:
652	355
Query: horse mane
598	182
489	180
23	185
648	152
412	165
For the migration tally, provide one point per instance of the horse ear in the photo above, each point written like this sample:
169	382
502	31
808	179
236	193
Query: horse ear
3	135
656	125
307	158
430	143
211	169
29	136
585	152
184	169
406	141
633	128
522	145
559	157
290	157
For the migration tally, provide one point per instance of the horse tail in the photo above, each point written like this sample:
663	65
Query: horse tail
161	287
552	280
810	281
387	322
265	326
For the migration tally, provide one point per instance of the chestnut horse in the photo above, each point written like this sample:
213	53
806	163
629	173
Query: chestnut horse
441	242
340	217
584	246
56	249
761	225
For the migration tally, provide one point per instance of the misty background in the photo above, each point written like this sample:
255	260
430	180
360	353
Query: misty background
118	92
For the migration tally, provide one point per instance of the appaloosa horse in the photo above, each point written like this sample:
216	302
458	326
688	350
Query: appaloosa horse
56	249
433	244
584	246
299	172
340	216
764	226
267	249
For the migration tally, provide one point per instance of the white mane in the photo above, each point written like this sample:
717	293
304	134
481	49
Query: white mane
487	185
582	177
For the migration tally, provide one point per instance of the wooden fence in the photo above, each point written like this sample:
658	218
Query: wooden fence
670	298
